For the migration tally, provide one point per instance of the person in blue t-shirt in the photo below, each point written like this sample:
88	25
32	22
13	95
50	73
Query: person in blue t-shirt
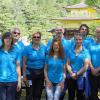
18	44
34	60
94	75
77	63
87	43
59	34
55	70
10	74
19	47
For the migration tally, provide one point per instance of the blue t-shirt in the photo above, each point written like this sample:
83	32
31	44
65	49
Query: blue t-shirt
77	61
8	65
55	69
19	47
35	58
88	42
95	55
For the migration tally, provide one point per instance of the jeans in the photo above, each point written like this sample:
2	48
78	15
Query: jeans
54	92
8	90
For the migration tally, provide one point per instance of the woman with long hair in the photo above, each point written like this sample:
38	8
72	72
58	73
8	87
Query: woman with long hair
10	74
55	70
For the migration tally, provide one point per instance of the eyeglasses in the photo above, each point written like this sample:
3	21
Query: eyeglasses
16	33
36	37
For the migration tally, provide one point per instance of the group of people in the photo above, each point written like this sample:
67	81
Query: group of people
60	65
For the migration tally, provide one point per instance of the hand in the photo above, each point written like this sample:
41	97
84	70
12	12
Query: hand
49	84
62	85
74	76
19	84
94	71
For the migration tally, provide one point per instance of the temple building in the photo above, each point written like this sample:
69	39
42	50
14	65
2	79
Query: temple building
78	14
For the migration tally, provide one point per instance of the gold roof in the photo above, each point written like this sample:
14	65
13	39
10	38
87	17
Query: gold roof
65	18
80	5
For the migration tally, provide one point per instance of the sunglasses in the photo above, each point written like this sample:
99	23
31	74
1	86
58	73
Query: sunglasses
16	33
36	37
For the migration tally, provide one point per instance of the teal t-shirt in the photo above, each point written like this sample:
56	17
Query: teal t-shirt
95	55
8	65
55	69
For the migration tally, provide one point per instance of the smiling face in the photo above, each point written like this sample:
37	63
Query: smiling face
7	41
78	39
36	38
83	30
16	33
56	46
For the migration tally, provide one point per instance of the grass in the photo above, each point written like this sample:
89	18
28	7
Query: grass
43	95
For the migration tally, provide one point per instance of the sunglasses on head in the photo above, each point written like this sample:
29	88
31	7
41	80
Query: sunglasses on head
8	37
16	33
36	37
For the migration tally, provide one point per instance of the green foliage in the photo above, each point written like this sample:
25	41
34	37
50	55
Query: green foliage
33	15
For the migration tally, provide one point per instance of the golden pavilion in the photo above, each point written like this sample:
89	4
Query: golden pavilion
78	14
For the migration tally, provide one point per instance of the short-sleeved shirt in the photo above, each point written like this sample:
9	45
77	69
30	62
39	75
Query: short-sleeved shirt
95	55
88	42
8	65
35	58
77	61
19	47
55	69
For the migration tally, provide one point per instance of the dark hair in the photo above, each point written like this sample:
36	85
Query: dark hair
61	50
5	35
84	25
